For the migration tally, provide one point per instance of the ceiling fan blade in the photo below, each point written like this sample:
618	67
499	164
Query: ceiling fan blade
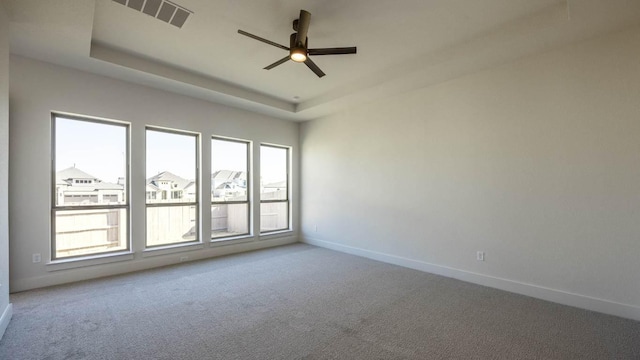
311	65
279	62
263	40
333	51
303	27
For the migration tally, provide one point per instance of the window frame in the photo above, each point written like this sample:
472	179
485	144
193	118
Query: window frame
195	204
248	201
54	208
287	200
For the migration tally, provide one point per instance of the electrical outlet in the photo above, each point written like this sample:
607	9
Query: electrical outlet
316	228
480	256
36	258
184	258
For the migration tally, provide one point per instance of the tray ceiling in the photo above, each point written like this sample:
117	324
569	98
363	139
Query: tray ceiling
402	45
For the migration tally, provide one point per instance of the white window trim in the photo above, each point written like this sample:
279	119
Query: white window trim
53	208
288	201
197	203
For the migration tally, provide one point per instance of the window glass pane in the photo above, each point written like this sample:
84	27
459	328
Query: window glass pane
229	220
228	170
90	163
171	167
274	216
273	173
171	179
87	232
171	225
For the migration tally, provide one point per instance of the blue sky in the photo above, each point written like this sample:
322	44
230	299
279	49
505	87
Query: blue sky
100	150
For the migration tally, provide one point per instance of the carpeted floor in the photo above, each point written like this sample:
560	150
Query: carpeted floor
302	302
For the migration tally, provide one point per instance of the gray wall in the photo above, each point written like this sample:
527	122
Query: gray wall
5	309
39	88
536	163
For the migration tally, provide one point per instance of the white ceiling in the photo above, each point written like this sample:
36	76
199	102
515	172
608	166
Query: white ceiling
402	44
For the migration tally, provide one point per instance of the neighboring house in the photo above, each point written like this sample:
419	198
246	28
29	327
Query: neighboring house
83	231
169	223
229	190
169	187
228	184
76	187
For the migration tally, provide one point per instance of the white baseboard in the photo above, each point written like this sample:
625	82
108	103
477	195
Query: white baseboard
540	292
6	317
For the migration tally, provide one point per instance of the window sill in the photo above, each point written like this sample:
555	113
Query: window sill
275	234
171	249
65	264
231	240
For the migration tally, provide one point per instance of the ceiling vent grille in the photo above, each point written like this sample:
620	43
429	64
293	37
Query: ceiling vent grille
164	10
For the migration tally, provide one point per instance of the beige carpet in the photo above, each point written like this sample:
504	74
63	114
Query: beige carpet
302	302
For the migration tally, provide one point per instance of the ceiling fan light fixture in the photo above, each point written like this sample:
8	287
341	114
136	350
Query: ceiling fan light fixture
298	54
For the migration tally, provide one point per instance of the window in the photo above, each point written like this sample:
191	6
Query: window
172	187
274	188
229	188
90	200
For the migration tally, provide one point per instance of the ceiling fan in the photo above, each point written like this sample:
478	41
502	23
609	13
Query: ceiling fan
298	48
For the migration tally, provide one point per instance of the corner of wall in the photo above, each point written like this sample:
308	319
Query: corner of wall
5	318
5	306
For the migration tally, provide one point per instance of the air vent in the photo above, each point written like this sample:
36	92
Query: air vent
164	10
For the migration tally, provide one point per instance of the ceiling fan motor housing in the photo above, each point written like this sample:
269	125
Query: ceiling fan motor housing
297	51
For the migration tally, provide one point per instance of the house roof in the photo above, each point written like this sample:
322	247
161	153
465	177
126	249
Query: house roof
66	177
228	175
73	173
168	176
